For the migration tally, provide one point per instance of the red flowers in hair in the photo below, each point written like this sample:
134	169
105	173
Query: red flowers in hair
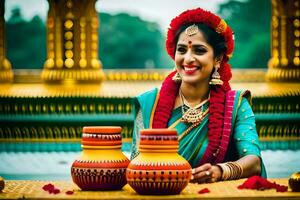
197	15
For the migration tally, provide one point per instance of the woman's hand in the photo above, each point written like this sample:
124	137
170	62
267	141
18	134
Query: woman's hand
206	173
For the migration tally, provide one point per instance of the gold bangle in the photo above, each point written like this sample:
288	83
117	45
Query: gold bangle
225	171
230	170
236	170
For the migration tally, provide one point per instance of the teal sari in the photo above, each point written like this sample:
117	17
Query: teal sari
241	138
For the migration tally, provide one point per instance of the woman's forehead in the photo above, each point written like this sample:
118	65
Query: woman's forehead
197	38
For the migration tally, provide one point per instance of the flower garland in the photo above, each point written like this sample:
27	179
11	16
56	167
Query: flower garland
169	88
165	104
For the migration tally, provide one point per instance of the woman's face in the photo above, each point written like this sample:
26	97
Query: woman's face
194	58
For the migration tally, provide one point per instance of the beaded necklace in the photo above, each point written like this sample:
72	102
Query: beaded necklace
191	114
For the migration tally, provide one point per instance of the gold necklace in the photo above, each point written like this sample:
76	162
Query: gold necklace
191	114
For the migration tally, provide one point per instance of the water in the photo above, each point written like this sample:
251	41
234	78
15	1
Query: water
281	163
55	165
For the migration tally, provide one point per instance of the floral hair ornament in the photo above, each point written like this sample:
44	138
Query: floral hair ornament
221	27
192	30
194	17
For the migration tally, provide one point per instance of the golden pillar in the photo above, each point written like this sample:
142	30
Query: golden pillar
6	73
284	66
72	42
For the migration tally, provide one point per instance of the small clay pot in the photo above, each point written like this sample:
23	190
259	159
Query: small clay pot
158	169
102	165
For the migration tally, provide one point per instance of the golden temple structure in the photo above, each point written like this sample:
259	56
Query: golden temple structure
74	91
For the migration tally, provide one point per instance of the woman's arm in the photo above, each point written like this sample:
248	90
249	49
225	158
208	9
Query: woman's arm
247	145
250	165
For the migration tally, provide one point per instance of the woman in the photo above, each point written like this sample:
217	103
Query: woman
215	125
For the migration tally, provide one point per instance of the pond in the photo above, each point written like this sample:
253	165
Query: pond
52	161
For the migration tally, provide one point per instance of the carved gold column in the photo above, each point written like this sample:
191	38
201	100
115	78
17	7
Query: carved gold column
6	73
72	42
284	66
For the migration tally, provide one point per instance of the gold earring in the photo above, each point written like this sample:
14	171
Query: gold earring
177	78
216	78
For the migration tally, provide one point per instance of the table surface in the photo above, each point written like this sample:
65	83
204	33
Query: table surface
16	189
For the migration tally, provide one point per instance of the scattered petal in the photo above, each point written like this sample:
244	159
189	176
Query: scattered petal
259	183
48	187
69	192
56	191
281	188
51	189
203	191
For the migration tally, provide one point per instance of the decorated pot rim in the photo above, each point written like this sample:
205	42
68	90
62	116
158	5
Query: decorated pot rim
102	129
158	131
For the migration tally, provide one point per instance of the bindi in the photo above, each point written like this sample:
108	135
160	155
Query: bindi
190	44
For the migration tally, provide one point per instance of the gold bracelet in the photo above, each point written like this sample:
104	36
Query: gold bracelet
236	170
231	170
225	171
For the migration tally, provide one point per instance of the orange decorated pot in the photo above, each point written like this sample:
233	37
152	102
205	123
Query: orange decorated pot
158	169
102	165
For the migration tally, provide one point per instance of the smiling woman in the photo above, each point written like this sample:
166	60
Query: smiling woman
195	55
215	125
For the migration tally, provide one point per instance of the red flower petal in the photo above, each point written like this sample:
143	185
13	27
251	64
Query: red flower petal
51	189
56	191
203	191
69	192
48	187
259	183
281	188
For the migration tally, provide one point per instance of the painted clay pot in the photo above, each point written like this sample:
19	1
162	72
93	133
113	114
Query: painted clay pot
158	169
102	165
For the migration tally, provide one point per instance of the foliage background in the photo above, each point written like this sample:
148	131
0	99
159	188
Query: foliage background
127	41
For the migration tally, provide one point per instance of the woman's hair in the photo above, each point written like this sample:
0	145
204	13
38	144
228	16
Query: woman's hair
211	36
217	93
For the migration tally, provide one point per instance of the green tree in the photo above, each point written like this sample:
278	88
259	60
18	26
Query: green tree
26	41
128	42
125	42
250	21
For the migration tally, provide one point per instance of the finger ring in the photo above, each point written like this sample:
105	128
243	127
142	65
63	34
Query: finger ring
207	173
